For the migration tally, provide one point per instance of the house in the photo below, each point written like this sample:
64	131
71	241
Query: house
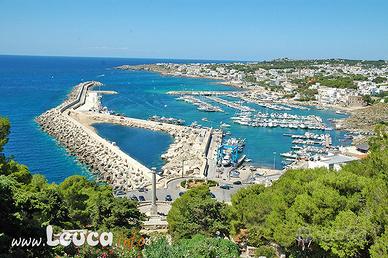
331	162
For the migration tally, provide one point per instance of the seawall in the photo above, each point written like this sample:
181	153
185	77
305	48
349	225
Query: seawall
107	161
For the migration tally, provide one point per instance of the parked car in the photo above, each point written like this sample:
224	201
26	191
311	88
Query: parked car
134	198
120	192
234	174
181	193
226	187
237	182
141	198
168	198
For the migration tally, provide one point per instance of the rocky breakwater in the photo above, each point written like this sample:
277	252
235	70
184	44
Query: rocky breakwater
104	159
185	156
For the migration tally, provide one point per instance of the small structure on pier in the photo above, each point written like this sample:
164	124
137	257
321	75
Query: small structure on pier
230	150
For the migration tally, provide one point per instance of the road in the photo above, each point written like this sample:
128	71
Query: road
174	188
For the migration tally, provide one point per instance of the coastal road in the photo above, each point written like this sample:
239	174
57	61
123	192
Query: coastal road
174	188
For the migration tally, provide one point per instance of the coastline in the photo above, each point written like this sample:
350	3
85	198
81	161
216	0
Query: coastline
71	123
350	111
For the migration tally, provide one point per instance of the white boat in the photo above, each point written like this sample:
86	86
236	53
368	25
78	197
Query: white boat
226	160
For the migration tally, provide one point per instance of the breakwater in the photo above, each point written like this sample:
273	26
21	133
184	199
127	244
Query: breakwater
71	124
107	161
186	155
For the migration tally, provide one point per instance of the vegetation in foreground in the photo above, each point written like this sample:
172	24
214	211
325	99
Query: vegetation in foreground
307	213
29	203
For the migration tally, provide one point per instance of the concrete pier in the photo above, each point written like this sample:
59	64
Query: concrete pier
230	104
71	124
106	160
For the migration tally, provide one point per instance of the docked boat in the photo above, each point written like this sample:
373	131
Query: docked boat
167	120
226	160
224	125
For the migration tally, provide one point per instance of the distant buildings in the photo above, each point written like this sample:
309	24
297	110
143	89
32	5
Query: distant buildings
252	76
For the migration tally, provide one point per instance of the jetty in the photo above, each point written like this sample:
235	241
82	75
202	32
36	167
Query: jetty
71	124
202	105
230	104
203	93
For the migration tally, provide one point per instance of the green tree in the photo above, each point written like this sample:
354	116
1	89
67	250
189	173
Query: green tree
28	204
4	132
267	251
320	212
380	248
347	235
196	212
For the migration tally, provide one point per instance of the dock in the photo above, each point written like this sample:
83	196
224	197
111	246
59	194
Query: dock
230	104
71	125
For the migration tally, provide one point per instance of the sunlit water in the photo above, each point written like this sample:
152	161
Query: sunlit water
31	85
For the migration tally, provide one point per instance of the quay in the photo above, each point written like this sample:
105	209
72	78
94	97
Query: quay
71	125
230	104
202	105
203	93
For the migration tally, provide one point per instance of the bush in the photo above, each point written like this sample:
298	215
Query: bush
267	251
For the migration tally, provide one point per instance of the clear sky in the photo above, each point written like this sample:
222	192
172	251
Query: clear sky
212	29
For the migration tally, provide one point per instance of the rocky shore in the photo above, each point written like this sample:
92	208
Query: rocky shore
109	164
172	72
71	124
363	121
186	155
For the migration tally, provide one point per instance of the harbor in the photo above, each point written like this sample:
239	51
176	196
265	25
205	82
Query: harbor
201	105
72	126
283	120
218	137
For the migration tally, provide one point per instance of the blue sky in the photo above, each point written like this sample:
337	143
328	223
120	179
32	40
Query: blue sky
223	30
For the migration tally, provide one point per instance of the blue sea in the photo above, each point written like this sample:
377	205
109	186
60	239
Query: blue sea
31	85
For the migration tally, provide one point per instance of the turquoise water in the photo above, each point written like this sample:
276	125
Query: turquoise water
145	146
145	95
31	85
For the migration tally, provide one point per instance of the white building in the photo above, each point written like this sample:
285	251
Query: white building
331	162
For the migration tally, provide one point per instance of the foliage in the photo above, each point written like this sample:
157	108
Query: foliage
329	81
307	94
359	77
380	248
267	251
250	78
196	212
337	82
367	99
28	204
379	79
4	131
198	182
198	246
320	212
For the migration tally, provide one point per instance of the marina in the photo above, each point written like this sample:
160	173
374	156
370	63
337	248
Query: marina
283	120
124	95
167	120
72	125
202	105
234	105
